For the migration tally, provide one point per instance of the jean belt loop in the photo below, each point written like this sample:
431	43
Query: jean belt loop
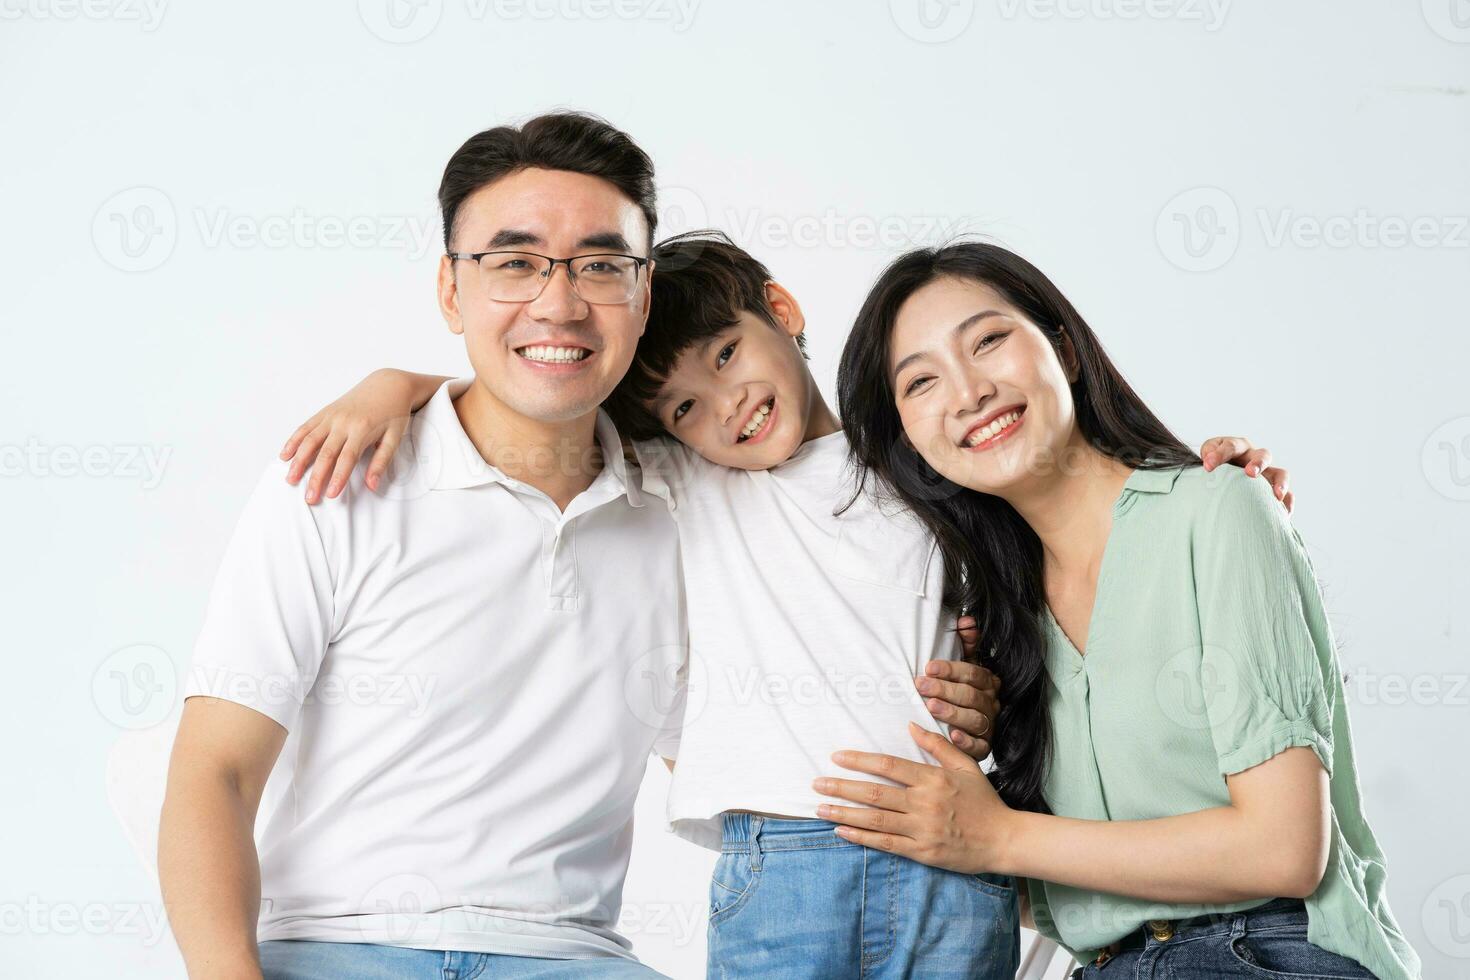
756	823
1238	925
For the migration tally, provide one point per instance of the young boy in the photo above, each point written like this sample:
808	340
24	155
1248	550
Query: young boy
810	609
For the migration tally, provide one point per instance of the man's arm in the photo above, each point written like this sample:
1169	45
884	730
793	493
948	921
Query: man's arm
206	845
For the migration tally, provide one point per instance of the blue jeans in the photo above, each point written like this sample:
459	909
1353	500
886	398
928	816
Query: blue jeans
1269	941
790	899
298	960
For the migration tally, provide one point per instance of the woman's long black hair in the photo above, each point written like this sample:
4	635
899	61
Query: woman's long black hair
992	558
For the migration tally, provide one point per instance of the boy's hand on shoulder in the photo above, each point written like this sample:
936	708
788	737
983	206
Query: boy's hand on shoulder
963	695
1238	451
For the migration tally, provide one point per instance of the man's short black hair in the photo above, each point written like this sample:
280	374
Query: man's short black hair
702	282
573	141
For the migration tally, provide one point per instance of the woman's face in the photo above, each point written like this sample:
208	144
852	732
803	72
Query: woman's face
980	390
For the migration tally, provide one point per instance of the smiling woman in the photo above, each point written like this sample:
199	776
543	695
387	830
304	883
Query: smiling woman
1132	600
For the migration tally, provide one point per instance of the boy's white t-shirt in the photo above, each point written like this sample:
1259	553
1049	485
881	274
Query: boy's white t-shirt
806	628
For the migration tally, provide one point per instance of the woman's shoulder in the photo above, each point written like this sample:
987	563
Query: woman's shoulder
1227	503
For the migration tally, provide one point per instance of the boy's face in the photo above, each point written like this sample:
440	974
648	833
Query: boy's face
742	398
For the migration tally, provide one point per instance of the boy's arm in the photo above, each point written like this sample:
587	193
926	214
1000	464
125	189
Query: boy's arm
206	846
376	410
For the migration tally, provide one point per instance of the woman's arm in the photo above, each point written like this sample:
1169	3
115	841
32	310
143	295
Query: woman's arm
1271	841
376	410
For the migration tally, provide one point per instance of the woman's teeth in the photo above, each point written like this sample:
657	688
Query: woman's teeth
995	428
757	421
554	355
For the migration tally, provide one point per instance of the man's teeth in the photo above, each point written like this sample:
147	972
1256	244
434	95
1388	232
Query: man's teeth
757	421
554	354
995	428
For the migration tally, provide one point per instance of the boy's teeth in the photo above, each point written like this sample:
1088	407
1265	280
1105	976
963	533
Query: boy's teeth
994	429
756	421
553	354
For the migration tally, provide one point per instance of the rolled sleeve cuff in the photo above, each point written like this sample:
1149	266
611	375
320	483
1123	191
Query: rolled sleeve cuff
1290	735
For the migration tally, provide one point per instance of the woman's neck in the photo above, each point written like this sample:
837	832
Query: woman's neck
1071	509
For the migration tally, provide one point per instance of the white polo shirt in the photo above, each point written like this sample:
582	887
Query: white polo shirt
806	628
472	682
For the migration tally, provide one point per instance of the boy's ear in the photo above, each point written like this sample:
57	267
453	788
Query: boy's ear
786	309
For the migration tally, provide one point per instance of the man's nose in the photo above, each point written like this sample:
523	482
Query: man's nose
558	301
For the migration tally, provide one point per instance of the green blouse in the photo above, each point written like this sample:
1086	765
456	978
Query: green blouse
1208	653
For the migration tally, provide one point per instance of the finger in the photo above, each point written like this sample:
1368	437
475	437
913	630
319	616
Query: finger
1254	461
893	798
306	452
1289	500
960	672
969	635
940	748
961	694
325	460
901	771
1222	448
301	432
383	455
351	450
1279	479
976	721
882	821
892	843
976	748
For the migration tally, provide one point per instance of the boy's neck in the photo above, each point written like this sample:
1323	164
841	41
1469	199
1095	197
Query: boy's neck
820	420
561	459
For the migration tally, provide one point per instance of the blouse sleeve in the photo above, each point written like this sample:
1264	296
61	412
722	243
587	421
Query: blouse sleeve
1267	651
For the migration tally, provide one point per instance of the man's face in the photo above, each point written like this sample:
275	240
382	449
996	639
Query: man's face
554	358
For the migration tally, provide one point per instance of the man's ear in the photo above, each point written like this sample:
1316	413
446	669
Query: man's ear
448	290
787	311
647	299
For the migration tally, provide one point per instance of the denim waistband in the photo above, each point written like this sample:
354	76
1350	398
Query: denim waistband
738	831
1277	913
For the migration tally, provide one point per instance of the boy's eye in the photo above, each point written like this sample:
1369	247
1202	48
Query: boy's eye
682	408
726	352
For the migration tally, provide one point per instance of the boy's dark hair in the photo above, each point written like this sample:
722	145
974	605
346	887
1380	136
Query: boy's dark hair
702	282
574	141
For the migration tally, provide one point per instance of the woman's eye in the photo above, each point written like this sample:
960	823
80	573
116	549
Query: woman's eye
989	340
726	352
683	408
916	384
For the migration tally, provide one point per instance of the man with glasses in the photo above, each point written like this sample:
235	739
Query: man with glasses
458	675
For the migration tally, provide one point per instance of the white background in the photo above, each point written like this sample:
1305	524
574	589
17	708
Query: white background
178	181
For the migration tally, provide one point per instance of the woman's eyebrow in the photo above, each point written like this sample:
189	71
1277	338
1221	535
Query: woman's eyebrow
959	328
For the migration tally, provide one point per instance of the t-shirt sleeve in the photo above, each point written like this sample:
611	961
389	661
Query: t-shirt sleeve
1267	652
269	617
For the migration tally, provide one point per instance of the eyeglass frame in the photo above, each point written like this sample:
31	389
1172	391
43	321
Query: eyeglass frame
638	261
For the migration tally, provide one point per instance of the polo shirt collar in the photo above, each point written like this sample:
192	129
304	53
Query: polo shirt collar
446	459
1153	481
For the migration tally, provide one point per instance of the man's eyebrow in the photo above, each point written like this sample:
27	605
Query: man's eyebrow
611	240
959	328
513	236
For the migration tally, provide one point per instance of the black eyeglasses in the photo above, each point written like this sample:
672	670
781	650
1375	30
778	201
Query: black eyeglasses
519	277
